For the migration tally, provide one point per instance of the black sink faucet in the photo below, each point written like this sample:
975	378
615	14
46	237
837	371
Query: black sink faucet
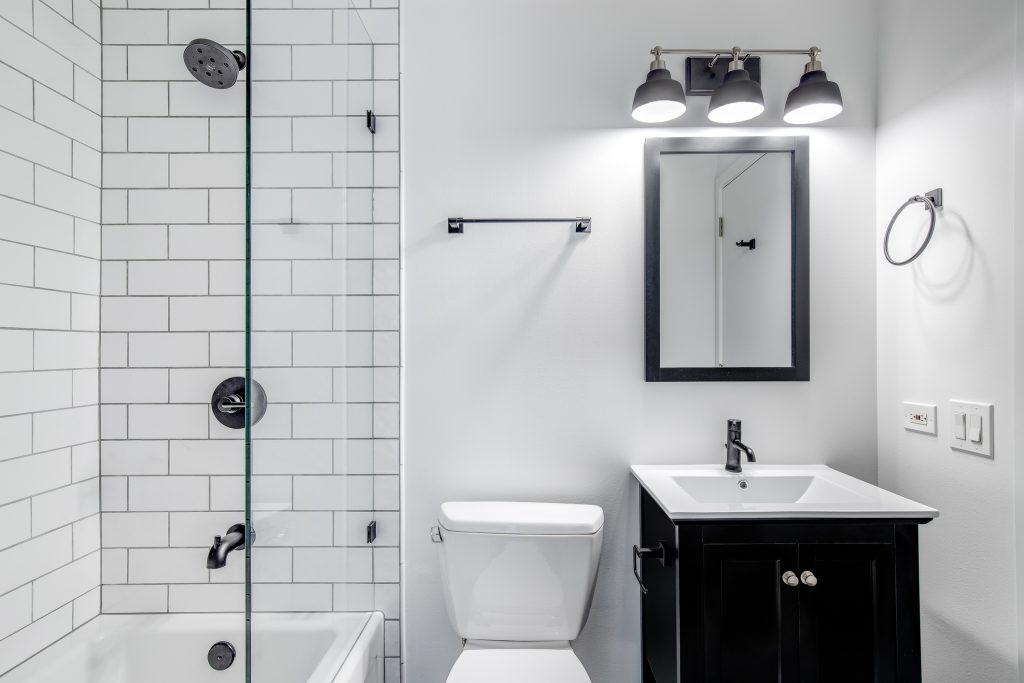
733	446
234	539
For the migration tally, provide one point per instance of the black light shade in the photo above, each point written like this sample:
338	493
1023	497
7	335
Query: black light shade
658	99
815	99
737	99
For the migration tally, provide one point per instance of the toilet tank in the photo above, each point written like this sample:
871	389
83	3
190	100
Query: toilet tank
519	571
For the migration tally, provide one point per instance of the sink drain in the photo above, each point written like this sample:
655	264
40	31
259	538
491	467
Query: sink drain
221	655
743	484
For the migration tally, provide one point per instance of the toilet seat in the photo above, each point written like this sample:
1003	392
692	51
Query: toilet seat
518	665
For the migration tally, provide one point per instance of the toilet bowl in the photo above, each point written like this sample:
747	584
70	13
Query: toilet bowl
518	584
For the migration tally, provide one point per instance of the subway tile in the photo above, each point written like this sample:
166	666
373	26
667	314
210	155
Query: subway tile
291	241
15	348
33	558
85	533
386	456
15	90
156	63
353	170
318	565
268	277
29	392
136	314
282	528
353	456
195	99
195	385
353	98
134	27
150	278
320	62
269	349
34	308
15	611
31	57
323	492
126	98
385	492
113	350
18	12
168	134
167	422
291	26
87	16
334	277
200	597
113	278
385	348
206	457
292	170
353	597
27	139
35	637
292	597
134	529
65	505
386	241
85	312
208	313
292	456
16	177
168	493
115	62
133	386
15	525
134	457
207	241
85	461
167	206
134	242
386	599
332	421
227	25
291	313
61	428
268	493
333	349
134	599
67	195
87	236
292	98
353	385
196	529
68	117
115	205
321	134
167	565
296	385
385	98
386	384
85	390
88	89
386	568
207	170
268	206
268	134
135	170
86	607
66	272
16	265
269	565
354	313
65	584
35	225
113	491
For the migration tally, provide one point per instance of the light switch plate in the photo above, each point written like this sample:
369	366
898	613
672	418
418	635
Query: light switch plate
919	417
975	410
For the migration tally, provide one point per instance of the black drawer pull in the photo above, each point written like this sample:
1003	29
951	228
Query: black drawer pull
664	553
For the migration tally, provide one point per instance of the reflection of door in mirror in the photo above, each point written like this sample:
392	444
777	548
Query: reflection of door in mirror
754	282
723	304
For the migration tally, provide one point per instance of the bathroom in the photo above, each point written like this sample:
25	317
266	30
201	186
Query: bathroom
405	366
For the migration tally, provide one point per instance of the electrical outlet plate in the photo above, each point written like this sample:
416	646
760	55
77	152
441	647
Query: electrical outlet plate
919	417
982	410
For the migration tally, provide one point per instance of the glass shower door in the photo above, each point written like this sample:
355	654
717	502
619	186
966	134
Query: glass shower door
313	349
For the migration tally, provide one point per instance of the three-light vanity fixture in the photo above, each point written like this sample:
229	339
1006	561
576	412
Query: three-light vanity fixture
738	96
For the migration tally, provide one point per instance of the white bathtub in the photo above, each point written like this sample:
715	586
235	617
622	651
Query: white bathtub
172	648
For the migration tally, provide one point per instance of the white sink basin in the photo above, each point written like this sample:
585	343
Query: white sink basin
771	492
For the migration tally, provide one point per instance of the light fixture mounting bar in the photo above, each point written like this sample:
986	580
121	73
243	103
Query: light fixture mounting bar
812	51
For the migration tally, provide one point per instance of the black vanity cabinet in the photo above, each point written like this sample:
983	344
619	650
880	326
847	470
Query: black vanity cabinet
784	601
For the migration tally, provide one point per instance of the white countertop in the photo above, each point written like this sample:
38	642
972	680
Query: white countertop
709	492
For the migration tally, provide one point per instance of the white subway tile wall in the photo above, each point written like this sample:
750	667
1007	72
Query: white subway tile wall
325	308
50	147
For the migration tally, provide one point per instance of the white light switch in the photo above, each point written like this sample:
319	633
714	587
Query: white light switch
972	427
919	417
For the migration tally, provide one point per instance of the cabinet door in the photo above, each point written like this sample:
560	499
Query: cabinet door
660	604
848	618
750	616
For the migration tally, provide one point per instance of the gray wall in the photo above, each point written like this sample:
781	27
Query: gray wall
49	322
525	343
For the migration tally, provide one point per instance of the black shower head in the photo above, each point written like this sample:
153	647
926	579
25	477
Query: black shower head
213	64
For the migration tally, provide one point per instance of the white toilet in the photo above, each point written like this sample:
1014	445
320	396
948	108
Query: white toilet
518	582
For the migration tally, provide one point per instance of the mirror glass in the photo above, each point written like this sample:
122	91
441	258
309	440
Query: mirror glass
726	285
726	259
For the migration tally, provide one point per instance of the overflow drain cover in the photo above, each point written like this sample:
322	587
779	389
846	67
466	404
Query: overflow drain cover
221	655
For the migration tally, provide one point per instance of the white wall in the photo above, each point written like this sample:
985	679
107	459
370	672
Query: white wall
49	322
945	323
525	343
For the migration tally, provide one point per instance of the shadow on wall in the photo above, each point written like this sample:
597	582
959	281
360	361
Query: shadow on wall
960	650
945	276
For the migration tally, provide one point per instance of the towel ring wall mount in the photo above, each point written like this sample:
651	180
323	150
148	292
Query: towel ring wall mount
932	202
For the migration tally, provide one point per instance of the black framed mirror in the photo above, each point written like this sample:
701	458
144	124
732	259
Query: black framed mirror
726	259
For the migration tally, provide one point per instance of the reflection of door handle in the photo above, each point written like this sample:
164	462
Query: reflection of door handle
750	244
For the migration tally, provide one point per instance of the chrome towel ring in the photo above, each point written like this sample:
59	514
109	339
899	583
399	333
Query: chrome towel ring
932	201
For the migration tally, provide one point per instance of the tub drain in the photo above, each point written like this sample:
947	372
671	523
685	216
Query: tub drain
221	655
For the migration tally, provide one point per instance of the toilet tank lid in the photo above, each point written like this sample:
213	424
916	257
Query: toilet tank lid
535	519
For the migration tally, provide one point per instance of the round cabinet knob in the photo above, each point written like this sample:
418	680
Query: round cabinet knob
809	579
789	578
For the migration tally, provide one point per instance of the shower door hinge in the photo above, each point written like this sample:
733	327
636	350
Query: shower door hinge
721	226
371	121
371	532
